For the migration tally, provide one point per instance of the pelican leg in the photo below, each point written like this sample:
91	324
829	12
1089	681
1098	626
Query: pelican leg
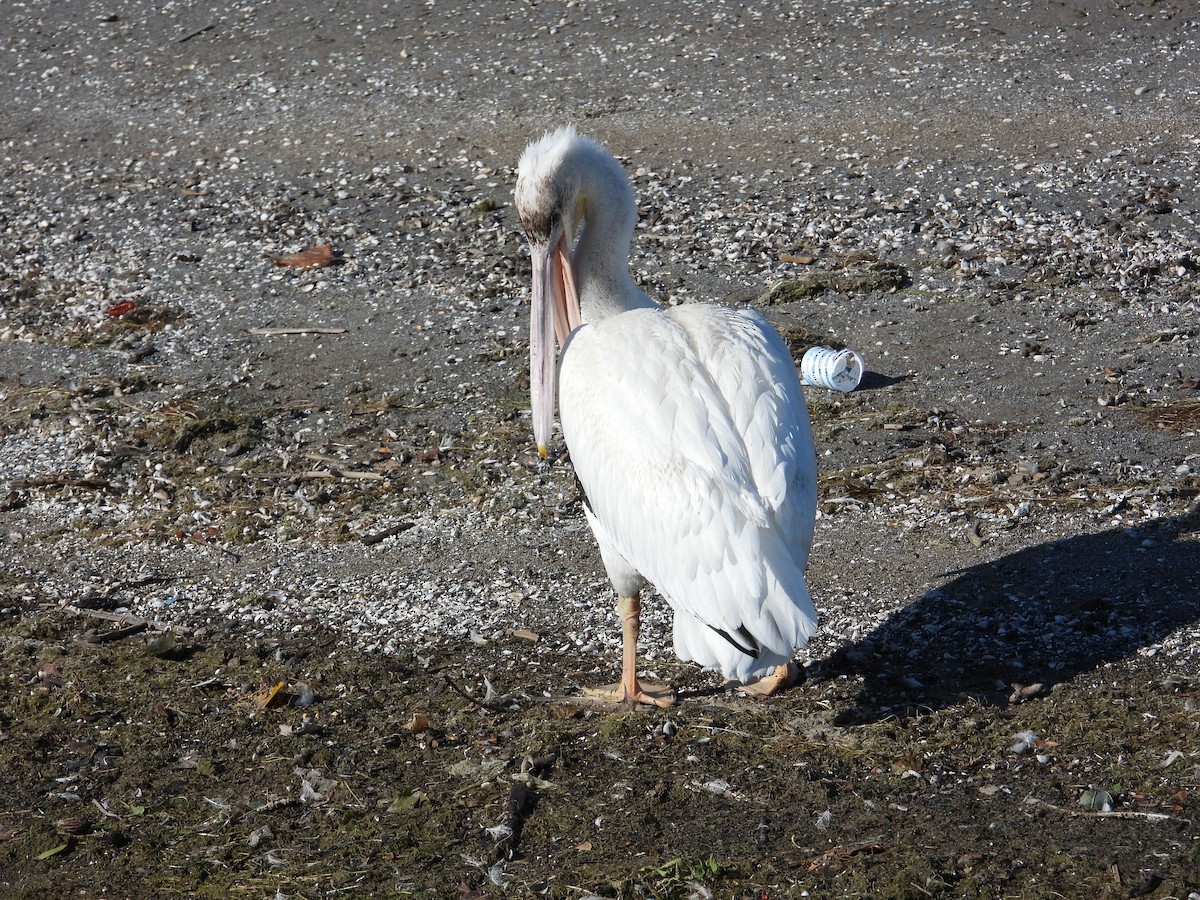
781	677
630	691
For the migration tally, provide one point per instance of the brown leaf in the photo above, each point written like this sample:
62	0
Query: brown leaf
120	309
269	695
838	854
416	724
74	825
314	257
1023	692
584	847
905	763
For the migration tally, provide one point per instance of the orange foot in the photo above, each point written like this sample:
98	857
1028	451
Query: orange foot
643	694
782	677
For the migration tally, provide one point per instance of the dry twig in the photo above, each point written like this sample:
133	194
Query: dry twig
299	329
1100	814
125	620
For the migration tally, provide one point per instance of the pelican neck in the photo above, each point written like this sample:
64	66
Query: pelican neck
602	253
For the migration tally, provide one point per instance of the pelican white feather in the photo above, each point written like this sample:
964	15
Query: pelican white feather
686	426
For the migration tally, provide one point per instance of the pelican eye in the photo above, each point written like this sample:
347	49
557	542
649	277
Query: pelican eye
538	228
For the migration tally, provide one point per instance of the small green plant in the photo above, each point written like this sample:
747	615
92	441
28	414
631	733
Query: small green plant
677	878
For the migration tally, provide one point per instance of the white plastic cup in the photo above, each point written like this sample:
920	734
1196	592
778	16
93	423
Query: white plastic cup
839	370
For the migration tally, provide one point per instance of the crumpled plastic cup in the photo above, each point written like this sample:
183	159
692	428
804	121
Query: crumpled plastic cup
839	370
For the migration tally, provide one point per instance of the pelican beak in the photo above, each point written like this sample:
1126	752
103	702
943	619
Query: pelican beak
555	315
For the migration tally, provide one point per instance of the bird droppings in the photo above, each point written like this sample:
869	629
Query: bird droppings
224	482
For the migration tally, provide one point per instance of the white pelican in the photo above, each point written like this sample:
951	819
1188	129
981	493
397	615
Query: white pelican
686	426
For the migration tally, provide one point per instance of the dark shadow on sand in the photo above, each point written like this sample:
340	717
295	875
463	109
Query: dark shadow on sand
1041	615
873	381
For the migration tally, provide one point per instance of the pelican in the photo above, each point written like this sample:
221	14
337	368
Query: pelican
686	426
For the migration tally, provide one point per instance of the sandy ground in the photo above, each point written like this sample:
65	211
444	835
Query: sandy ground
1010	497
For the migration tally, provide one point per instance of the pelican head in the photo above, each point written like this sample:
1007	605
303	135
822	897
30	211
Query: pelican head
550	202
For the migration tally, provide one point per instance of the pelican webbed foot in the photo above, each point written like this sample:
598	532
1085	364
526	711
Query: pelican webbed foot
630	692
631	697
781	678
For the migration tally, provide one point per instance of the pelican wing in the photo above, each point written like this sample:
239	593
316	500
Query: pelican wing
688	430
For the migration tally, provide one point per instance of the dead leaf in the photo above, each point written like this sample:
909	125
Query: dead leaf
413	799
1023	692
315	257
584	847
416	724
162	644
526	635
968	860
485	770
838	854
268	696
905	763
803	259
120	309
73	825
